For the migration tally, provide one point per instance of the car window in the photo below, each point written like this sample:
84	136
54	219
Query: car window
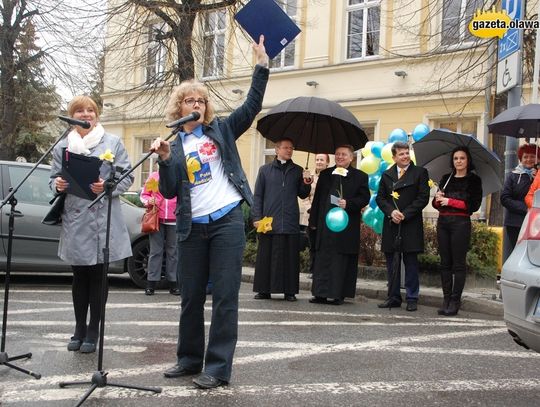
35	189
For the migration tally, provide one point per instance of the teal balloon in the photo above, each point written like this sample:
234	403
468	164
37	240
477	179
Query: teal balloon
420	131
337	219
378	214
376	148
373	201
383	166
398	135
368	216
373	182
377	226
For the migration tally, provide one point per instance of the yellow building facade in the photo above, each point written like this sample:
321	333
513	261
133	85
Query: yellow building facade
393	64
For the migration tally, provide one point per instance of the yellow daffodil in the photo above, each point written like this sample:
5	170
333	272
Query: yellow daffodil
265	224
152	185
107	156
341	171
432	183
395	195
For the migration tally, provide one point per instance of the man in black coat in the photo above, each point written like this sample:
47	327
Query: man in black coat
277	189
403	194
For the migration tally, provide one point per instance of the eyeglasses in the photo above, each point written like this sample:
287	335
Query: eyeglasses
192	101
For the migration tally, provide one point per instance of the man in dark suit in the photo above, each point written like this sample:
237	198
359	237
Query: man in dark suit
403	193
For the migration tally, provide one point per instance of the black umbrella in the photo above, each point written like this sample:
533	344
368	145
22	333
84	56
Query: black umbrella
519	121
314	125
434	149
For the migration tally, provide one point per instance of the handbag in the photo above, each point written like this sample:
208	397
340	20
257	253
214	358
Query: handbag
54	216
150	220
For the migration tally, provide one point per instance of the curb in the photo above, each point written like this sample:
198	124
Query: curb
485	303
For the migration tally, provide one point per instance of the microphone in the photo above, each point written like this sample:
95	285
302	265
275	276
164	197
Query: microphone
190	117
75	122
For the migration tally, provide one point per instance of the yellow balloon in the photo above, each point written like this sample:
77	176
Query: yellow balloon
386	153
370	164
366	151
413	157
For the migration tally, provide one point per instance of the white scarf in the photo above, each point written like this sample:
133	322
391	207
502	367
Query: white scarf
82	145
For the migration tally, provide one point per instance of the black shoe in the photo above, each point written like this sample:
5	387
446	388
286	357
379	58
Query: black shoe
262	296
174	291
411	306
318	300
149	291
74	344
289	297
205	381
178	371
337	301
390	303
444	306
453	308
88	346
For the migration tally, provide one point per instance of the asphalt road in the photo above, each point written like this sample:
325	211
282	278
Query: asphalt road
294	354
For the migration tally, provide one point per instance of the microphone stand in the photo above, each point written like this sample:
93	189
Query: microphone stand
99	378
5	359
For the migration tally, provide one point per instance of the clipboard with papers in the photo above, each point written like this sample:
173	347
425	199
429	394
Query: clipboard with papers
80	171
268	18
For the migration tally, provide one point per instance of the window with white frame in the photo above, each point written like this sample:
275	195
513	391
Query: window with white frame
363	28
147	167
156	54
286	57
458	125
214	43
456	15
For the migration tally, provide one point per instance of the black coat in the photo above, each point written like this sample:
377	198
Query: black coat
413	190
513	195
355	192
276	191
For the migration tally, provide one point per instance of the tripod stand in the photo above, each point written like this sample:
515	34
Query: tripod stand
5	359
99	378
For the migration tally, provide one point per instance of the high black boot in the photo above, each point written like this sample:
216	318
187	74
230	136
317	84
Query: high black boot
453	307
444	306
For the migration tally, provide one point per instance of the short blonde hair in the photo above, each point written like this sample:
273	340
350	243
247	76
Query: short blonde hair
82	101
174	108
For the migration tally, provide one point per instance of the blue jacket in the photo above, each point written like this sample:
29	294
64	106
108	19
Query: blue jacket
513	195
173	176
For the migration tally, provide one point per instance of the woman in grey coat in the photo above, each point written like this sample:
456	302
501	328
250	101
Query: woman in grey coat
83	231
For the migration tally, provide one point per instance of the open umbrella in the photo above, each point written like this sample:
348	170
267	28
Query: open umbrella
314	125
519	121
434	150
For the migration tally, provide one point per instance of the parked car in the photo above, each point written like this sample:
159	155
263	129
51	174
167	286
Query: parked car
35	245
520	283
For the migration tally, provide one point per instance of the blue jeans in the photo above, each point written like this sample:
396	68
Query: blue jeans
412	283
211	252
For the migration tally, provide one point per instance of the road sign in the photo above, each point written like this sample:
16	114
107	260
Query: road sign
508	71
511	42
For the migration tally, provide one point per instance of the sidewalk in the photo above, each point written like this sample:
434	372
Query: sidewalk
482	300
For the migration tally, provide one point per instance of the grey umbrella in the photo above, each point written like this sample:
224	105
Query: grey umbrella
519	121
434	150
313	124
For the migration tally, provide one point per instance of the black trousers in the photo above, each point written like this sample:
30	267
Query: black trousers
454	237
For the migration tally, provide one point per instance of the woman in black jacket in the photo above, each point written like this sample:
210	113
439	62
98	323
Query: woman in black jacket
459	195
516	186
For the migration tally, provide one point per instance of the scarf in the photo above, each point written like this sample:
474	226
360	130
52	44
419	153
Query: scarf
520	169
83	145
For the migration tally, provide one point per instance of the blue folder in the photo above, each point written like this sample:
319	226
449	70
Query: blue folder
268	18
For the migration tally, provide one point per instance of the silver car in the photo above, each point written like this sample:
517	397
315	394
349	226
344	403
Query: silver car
35	245
520	283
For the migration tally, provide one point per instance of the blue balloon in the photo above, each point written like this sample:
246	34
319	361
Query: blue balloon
378	226
373	202
420	131
337	219
368	216
383	166
398	135
373	182
376	148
